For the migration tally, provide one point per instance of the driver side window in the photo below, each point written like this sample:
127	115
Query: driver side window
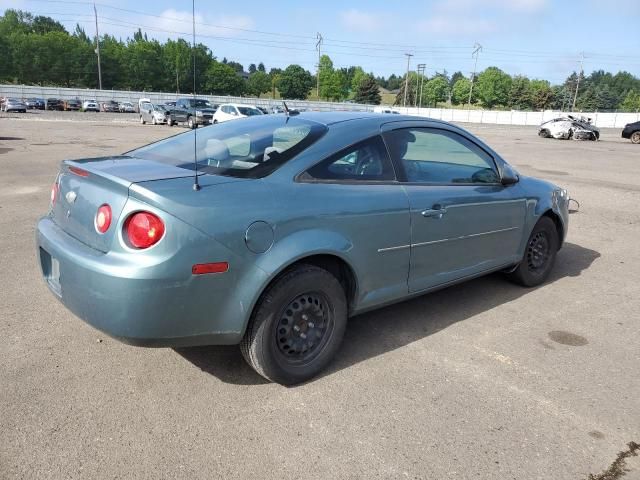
441	157
364	161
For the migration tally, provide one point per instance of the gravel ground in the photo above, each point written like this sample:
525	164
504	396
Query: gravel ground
481	380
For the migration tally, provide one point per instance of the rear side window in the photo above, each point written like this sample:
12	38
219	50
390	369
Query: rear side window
364	161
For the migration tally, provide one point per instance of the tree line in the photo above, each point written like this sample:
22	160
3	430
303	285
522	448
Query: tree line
38	50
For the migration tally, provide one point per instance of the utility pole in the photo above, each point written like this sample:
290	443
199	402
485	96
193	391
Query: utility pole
406	80
98	47
421	69
477	49
318	47
575	97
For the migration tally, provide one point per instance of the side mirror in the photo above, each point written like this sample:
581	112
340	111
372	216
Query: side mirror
509	175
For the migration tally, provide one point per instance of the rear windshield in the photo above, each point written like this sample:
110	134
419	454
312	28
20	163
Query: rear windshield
250	147
249	111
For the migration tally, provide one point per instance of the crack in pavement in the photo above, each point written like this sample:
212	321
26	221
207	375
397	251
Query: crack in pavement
618	468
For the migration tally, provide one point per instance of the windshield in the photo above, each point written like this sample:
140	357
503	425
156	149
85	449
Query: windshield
252	147
202	104
249	111
160	108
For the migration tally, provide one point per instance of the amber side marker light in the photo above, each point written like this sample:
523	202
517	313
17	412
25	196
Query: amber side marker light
78	171
204	268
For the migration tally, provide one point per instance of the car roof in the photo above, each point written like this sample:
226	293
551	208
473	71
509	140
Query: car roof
240	105
329	118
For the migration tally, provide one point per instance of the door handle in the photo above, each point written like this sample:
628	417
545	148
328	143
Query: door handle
436	212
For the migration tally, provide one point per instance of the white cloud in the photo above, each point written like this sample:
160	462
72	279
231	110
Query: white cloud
360	21
451	25
219	25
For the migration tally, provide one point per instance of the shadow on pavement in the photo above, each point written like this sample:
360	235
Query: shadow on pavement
389	328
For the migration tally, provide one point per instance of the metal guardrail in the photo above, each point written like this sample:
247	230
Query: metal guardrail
604	120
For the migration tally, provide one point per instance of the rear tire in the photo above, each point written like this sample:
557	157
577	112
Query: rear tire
539	256
142	120
297	326
170	122
635	137
191	123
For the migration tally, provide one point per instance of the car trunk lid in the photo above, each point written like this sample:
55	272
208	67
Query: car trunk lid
85	185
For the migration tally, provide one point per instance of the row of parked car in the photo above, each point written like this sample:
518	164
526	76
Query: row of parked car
9	104
581	128
196	111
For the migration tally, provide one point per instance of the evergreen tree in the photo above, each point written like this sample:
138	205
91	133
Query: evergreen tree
368	91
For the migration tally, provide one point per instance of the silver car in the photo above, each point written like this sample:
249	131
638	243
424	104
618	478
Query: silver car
155	114
14	105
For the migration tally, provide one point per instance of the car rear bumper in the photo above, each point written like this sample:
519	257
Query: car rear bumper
140	305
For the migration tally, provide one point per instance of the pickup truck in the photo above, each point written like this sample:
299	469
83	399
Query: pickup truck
192	111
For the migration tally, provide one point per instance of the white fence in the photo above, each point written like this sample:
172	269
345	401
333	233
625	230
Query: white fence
603	120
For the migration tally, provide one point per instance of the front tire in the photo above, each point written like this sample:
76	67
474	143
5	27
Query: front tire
544	133
191	123
539	256
297	326
635	137
142	122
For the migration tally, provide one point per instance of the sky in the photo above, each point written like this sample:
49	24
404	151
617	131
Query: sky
538	38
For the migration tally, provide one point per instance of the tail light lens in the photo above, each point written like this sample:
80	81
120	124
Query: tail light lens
144	229
55	189
103	218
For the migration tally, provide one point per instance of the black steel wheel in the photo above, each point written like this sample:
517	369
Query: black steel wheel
297	325
539	255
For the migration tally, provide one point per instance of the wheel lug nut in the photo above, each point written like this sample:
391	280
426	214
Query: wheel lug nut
303	336
305	317
296	328
310	324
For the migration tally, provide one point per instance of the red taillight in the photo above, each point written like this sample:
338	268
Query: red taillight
144	229
103	218
54	193
78	171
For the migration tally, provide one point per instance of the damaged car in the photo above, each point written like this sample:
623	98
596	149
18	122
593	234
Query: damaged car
569	127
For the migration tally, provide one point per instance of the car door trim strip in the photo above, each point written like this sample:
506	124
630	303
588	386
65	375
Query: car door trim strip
421	244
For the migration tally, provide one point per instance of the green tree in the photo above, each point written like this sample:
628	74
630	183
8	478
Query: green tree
357	76
222	79
631	102
258	83
261	67
493	87
520	94
435	90
326	78
541	94
368	91
295	82
460	91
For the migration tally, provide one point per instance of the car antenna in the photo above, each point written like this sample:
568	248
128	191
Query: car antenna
286	110
196	185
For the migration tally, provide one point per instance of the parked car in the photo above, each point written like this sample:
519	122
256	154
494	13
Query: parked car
297	223
90	106
263	110
109	106
385	110
73	104
155	114
54	104
170	104
233	111
14	105
632	132
569	127
35	103
193	111
126	107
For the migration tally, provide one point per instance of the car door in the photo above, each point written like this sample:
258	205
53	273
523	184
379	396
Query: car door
355	192
463	220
